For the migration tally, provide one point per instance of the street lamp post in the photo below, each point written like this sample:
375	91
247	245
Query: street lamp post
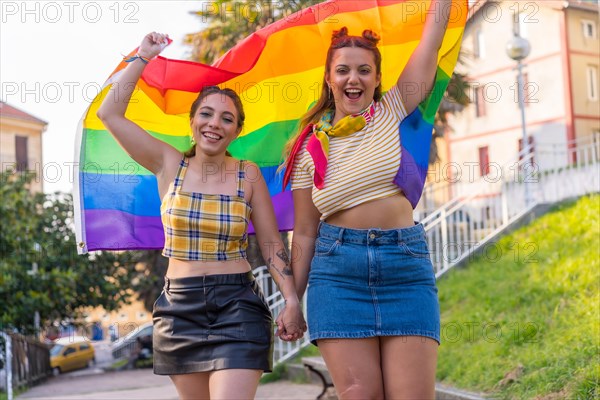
518	48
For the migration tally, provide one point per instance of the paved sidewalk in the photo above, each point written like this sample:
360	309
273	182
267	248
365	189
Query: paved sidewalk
143	384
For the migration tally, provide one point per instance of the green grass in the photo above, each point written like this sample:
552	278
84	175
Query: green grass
308	351
531	305
279	371
16	392
117	365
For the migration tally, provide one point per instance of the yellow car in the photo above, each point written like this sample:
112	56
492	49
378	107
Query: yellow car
68	356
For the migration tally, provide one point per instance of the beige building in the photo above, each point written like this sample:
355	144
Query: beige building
562	99
126	319
21	143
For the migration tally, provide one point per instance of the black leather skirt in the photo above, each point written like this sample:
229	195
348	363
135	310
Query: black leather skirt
212	322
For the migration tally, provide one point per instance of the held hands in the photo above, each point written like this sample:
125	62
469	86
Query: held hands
152	44
290	322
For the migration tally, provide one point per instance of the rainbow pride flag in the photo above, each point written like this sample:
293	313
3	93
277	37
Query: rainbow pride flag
278	73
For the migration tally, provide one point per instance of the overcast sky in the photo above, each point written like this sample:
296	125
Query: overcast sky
55	55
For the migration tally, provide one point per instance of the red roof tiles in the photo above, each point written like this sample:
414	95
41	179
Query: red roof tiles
7	110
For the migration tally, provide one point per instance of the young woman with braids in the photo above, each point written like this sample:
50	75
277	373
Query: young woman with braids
212	327
372	298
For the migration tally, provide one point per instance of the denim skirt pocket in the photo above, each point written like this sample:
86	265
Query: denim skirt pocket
415	248
325	246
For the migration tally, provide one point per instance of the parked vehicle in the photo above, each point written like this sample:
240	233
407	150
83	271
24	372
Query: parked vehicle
68	355
127	345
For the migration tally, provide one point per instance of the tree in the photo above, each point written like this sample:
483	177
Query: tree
230	21
148	277
40	270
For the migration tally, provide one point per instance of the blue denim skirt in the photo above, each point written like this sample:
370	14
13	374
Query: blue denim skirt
371	282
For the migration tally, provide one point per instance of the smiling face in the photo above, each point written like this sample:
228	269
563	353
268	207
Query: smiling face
353	78
215	124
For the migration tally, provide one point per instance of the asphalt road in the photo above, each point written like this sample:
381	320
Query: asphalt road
143	384
94	383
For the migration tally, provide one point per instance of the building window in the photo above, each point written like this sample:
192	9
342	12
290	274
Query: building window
21	153
479	44
484	161
592	82
479	101
141	316
531	143
589	29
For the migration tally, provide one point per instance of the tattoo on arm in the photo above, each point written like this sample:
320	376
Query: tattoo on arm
271	266
283	255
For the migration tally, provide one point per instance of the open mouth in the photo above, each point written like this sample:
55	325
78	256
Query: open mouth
353	94
211	136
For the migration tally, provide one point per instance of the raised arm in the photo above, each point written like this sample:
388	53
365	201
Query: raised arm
417	78
306	223
291	322
142	147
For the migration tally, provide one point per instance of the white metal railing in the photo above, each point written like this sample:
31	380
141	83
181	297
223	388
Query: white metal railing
481	209
478	210
575	171
282	350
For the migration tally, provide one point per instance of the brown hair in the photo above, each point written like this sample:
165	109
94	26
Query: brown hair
339	39
204	93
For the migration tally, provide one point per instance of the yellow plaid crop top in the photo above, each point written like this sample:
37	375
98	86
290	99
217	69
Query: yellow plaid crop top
205	227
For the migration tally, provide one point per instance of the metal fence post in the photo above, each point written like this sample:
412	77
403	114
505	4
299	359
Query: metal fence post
504	205
8	364
444	232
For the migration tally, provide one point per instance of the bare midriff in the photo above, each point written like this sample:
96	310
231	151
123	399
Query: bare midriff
393	212
183	268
